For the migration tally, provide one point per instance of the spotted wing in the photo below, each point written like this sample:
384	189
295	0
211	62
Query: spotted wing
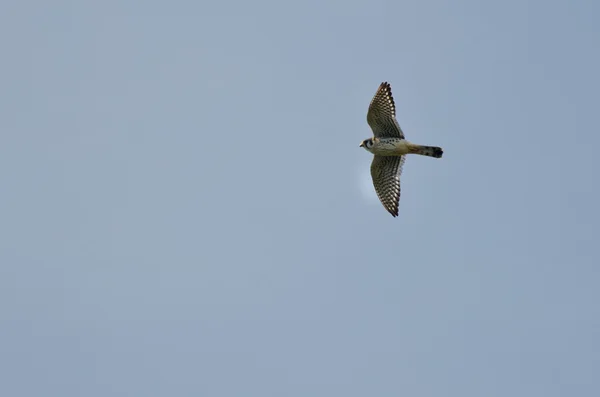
385	171
382	114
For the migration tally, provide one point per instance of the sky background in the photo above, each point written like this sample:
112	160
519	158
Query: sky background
185	211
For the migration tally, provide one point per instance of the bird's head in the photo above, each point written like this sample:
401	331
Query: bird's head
367	144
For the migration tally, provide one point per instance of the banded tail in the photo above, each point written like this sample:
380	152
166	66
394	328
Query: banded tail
431	151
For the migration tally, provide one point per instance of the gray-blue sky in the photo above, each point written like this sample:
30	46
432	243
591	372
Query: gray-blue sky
182	215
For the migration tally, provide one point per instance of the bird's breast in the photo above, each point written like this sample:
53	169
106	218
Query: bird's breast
390	147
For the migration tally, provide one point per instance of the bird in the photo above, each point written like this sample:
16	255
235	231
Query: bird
389	148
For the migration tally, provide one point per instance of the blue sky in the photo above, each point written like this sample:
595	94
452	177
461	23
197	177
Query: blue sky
184	208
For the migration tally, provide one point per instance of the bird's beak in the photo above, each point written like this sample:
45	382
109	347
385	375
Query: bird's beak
361	144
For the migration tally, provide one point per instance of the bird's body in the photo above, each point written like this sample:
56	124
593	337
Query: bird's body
399	147
389	148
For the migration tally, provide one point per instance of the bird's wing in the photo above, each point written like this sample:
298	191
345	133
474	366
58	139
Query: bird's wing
382	114
385	171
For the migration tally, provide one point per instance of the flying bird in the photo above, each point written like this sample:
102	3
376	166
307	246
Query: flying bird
389	148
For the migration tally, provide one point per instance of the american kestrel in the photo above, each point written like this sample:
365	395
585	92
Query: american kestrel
389	148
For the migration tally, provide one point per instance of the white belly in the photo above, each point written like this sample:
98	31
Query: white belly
390	147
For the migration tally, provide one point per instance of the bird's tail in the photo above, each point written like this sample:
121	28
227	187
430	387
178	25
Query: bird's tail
431	151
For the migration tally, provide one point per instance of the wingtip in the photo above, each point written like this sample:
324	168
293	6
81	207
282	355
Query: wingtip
385	86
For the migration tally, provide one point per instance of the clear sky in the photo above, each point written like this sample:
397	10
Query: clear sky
184	209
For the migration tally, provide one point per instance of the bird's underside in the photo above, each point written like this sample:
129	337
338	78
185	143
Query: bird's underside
389	148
